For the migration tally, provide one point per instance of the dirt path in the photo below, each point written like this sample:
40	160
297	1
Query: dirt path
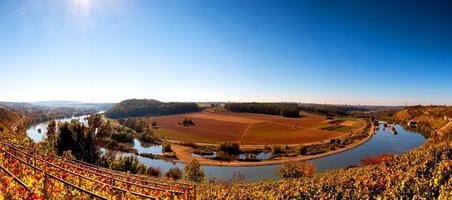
184	155
446	127
14	126
245	133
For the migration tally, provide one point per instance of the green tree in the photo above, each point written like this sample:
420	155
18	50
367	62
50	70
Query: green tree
52	132
193	171
79	139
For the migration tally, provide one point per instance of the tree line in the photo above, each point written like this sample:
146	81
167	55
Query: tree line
147	107
284	109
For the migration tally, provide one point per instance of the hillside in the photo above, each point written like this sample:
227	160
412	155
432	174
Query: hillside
429	118
7	119
148	107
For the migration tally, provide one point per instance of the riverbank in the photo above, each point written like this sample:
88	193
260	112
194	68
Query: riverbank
184	155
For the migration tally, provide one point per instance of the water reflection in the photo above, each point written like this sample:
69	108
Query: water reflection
38	131
143	147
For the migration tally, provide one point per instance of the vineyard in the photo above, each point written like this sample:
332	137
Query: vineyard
424	173
26	174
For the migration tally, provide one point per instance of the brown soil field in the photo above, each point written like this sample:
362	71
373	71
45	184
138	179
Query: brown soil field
347	123
244	128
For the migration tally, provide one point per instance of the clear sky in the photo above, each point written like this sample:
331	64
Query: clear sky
357	52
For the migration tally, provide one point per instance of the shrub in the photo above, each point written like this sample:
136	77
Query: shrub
302	150
204	152
313	150
121	134
128	163
193	171
149	136
174	173
221	155
229	147
188	122
375	160
153	171
67	155
251	157
166	147
277	150
296	170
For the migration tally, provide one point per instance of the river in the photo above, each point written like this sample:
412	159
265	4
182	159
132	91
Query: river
384	141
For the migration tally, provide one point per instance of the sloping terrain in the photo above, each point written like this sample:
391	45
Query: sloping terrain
7	120
148	107
42	176
431	119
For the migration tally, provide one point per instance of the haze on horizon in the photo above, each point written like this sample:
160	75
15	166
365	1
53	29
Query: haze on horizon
354	52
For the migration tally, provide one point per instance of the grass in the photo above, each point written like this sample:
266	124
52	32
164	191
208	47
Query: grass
340	128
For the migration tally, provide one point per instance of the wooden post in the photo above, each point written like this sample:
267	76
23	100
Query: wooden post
187	195
34	163
194	192
45	187
20	173
79	180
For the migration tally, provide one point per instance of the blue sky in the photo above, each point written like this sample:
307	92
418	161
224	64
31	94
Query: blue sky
355	52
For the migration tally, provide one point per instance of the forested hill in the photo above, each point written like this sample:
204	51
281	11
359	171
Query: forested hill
147	107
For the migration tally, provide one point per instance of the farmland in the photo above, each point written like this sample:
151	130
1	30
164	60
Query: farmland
251	129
